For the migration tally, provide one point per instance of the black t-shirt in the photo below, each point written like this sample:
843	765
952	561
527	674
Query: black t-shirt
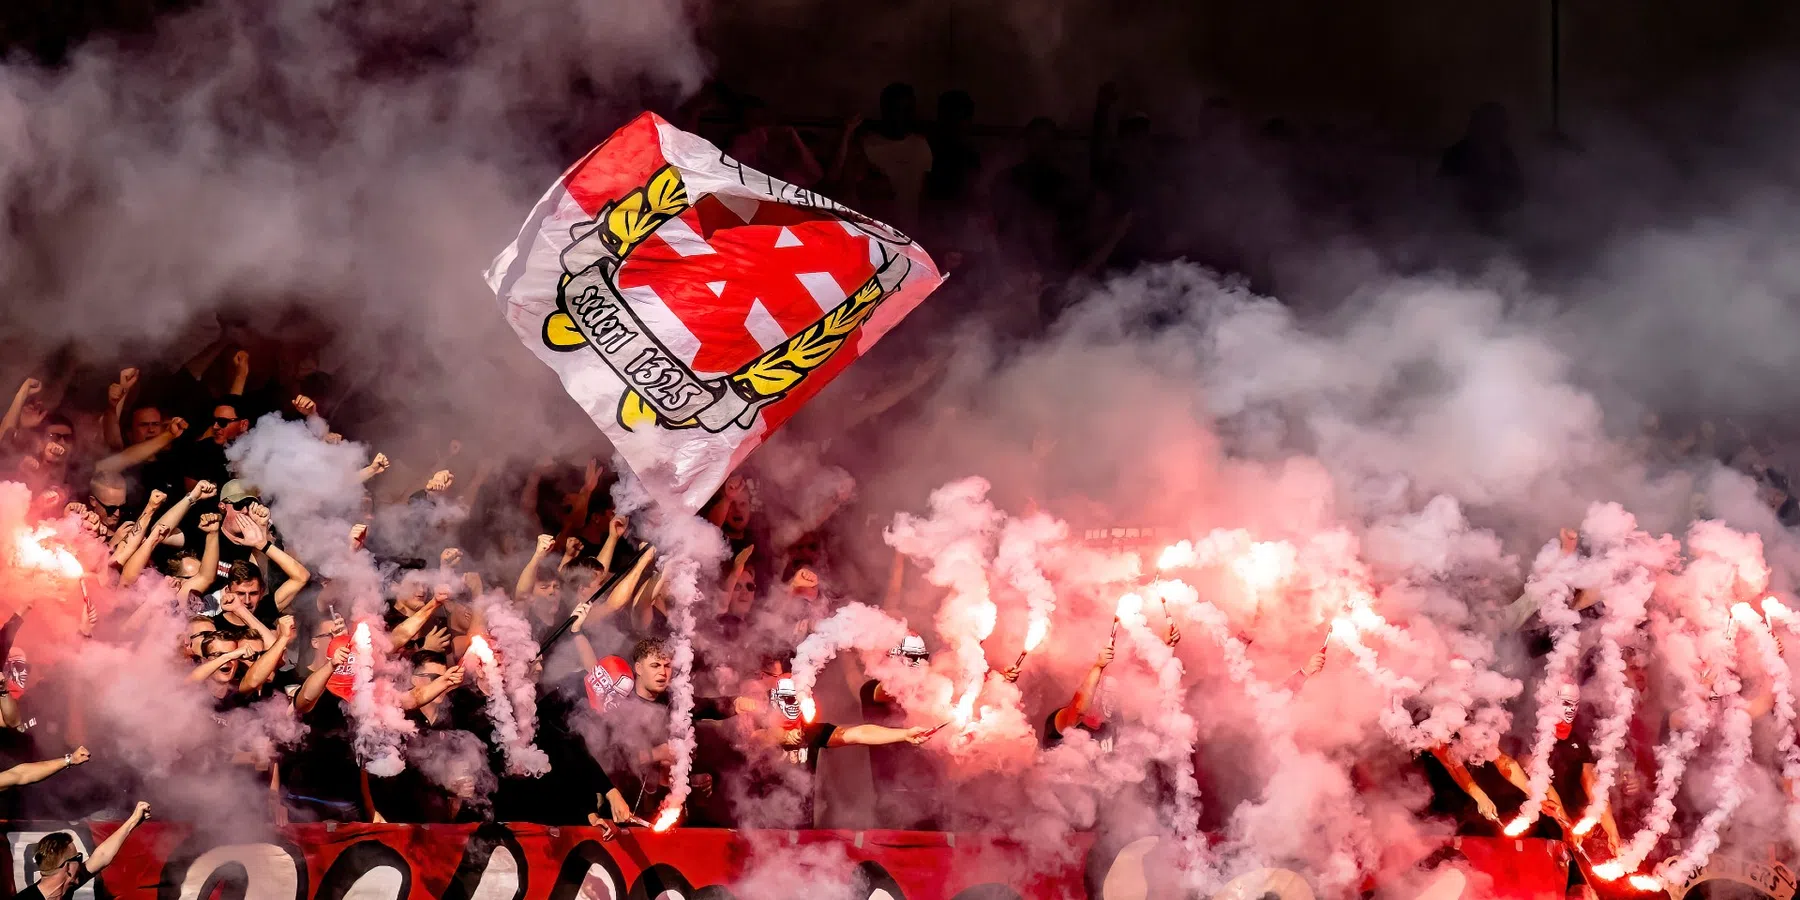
82	877
324	766
572	788
1449	800
813	738
897	767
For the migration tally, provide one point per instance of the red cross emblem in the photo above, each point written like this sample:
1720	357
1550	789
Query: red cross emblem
743	275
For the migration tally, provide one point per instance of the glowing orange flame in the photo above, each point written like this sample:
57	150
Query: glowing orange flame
1646	882
986	616
1584	826
666	819
479	647
1261	567
1176	556
1343	630
1776	609
807	709
1745	614
1609	871
1035	632
1517	827
1129	604
30	552
1366	619
361	637
965	708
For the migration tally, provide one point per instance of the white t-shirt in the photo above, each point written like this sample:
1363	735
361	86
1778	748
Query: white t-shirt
905	162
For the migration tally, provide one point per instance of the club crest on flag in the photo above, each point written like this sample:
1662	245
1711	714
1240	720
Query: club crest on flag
691	304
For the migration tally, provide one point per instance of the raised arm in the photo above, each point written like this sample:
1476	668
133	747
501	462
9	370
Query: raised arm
34	772
270	660
1084	694
129	544
135	454
375	467
116	394
1314	666
615	531
426	694
297	576
589	659
528	577
643	604
406	631
28	389
314	686
163	527
212	666
578	510
209	557
240	372
108	850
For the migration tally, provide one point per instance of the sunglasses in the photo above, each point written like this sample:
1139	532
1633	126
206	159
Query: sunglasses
224	421
61	437
111	509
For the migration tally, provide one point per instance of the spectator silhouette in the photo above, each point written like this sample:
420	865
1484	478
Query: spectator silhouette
1482	169
955	162
894	145
772	148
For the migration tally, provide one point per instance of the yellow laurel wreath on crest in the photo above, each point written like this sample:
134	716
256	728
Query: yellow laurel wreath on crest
781	368
625	224
634	217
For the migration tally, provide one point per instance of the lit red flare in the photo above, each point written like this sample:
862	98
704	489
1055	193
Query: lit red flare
361	637
1260	567
478	648
1176	556
31	552
965	708
808	710
1035	632
1646	882
666	819
1745	614
1519	826
1129	605
1776	609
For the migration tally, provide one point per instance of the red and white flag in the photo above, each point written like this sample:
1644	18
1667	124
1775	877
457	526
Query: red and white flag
691	304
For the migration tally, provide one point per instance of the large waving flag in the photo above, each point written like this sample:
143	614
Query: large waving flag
691	304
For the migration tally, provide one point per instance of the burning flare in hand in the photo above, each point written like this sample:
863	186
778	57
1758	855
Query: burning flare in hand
666	819
478	648
1609	871
30	552
1035	633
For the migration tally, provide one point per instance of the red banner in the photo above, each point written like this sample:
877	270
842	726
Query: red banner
535	862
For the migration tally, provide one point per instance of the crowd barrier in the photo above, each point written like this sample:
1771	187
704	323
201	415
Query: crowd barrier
535	862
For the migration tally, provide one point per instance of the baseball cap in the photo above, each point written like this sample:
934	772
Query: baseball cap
237	490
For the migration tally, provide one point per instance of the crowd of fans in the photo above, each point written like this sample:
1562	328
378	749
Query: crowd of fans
149	470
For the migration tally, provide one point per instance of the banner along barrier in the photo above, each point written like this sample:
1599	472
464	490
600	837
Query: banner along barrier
536	862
